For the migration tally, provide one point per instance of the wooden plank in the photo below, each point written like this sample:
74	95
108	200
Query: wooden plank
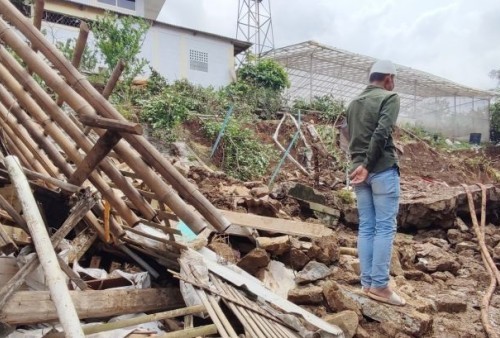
277	225
31	307
111	124
98	152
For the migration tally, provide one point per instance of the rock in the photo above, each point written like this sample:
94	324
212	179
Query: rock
414	275
496	253
462	246
254	261
347	320
336	299
306	295
325	250
460	224
306	193
275	245
449	142
224	251
362	333
432	258
295	258
451	302
456	236
260	191
396	269
183	169
444	276
405	319
312	272
350	263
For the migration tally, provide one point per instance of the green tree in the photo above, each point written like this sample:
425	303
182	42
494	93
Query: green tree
265	73
121	38
495	122
89	57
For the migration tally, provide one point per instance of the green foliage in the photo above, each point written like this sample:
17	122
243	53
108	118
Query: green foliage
156	83
328	135
240	151
265	73
121	38
495	121
89	57
345	196
327	106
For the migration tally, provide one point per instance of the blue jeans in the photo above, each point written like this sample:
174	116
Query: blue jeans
378	205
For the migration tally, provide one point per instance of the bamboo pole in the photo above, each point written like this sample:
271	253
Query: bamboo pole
17	280
150	154
113	80
81	41
191	333
37	18
23	146
64	122
14	150
25	137
48	259
88	330
34	130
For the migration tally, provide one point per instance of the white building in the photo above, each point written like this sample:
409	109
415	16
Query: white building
175	52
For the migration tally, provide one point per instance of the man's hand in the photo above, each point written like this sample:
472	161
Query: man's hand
359	175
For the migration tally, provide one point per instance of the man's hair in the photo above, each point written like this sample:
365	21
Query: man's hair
377	77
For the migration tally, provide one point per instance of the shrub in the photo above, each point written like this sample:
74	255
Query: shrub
240	152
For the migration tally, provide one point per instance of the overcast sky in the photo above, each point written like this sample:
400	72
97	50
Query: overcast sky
458	40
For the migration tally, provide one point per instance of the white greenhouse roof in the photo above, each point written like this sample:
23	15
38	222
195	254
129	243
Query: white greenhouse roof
317	69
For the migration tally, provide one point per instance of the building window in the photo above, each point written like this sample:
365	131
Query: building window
125	4
198	60
61	19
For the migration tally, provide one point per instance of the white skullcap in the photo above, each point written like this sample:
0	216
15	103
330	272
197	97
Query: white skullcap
383	67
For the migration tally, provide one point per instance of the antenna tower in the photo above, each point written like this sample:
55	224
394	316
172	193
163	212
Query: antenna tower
255	25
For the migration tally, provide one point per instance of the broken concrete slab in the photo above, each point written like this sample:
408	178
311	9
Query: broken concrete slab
253	261
274	245
405	319
432	258
347	320
312	272
306	295
396	269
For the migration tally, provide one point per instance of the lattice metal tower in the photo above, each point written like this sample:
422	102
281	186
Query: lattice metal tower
255	25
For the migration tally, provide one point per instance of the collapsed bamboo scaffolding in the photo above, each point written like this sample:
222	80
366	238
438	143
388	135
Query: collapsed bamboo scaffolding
100	104
48	259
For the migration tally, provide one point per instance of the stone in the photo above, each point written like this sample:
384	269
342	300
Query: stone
254	260
462	246
224	251
396	269
347	320
296	259
432	258
350	263
260	191
496	253
183	169
325	250
405	318
451	302
274	245
312	272
306	193
442	275
362	333
414	275
336	299
460	224
455	236
306	295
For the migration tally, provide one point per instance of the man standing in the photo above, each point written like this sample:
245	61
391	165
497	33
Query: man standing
371	118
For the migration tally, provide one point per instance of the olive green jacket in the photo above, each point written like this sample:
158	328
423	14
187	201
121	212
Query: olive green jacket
371	118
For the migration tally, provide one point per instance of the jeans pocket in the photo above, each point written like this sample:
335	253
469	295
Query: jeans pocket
386	183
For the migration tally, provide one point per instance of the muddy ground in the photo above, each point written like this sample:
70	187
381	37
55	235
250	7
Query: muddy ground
438	267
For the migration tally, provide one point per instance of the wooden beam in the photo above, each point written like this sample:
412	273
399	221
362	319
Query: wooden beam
113	80
98	152
31	307
191	333
33	175
111	124
277	225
